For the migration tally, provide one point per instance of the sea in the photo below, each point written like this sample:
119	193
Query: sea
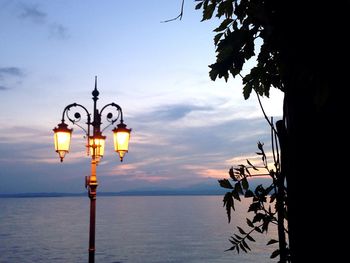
129	229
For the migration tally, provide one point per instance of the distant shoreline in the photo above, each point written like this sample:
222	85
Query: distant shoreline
128	193
201	189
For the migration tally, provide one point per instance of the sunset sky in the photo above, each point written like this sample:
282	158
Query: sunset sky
187	129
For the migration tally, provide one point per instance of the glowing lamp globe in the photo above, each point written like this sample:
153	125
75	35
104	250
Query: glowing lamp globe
62	137
121	137
97	146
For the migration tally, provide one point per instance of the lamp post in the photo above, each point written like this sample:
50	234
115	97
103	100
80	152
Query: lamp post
95	146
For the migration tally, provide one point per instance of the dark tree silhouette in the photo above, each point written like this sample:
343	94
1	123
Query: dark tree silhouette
303	51
268	204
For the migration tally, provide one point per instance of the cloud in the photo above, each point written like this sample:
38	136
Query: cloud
20	134
58	31
191	115
130	174
164	152
218	172
32	13
10	71
170	113
176	112
160	154
2	88
192	142
9	77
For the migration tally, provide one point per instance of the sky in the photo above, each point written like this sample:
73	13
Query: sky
186	129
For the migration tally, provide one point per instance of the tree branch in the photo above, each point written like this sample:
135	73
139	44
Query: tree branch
263	111
179	16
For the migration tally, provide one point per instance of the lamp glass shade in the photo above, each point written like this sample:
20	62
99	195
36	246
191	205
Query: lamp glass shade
121	137
62	138
97	145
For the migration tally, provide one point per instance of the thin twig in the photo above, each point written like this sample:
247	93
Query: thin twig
273	145
277	152
179	16
263	111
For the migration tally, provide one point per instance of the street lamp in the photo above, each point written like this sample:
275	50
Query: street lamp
62	139
95	145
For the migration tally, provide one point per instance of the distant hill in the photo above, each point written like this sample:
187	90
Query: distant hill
37	195
211	187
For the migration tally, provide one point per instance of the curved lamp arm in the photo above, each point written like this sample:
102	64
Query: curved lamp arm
77	116
110	118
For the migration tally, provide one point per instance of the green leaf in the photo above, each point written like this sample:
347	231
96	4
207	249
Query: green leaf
238	237
266	223
275	253
245	183
217	38
235	195
221	67
225	8
213	73
250	223
254	207
231	248
247	89
245	244
241	230
234	240
225	184
208	11
259	189
199	6
238	188
272	241
228	203
223	25
252	165
243	248
258	217
249	193
247	170
260	146
250	238
257	229
232	175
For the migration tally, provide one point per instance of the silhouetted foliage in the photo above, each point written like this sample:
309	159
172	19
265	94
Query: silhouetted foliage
299	48
264	205
243	22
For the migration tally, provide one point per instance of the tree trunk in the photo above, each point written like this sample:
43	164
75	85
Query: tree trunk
312	50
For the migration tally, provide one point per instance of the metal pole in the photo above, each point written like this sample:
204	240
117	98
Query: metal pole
92	195
93	181
93	133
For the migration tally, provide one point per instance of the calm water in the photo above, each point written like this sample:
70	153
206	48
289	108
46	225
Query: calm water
152	229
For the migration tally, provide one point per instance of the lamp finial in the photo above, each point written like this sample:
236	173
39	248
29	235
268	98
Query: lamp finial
95	92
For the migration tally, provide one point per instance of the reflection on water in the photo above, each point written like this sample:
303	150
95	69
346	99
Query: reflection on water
135	229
